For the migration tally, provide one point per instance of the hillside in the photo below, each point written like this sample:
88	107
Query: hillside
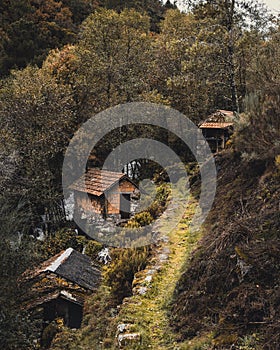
79	83
216	289
231	287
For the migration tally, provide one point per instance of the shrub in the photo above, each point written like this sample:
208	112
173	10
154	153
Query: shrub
120	273
93	248
257	136
62	239
142	219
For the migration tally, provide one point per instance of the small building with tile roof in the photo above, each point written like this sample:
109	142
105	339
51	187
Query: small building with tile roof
59	286
104	193
218	128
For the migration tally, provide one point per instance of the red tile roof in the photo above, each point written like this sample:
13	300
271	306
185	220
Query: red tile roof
215	125
97	181
221	119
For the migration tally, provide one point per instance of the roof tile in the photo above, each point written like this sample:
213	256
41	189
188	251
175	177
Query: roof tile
96	181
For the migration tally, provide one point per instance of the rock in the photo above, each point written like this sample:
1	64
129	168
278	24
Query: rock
122	327
166	250
151	272
149	278
128	339
163	257
104	256
142	290
107	229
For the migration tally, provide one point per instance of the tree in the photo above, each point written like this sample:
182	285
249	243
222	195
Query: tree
178	77
31	28
153	8
224	23
17	329
80	9
259	128
207	54
116	65
114	55
62	64
37	122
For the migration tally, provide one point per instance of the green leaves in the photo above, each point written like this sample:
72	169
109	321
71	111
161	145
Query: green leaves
114	56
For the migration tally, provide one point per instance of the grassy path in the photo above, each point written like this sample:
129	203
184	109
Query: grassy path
148	313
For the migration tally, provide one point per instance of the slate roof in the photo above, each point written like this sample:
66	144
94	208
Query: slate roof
45	298
70	265
96	181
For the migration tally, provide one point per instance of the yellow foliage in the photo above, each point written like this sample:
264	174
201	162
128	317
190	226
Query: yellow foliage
225	339
277	161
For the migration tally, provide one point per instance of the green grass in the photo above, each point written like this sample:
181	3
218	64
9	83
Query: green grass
149	313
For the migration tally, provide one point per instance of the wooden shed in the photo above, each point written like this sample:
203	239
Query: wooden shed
104	193
217	129
59	285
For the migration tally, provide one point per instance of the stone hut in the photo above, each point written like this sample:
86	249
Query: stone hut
102	193
59	286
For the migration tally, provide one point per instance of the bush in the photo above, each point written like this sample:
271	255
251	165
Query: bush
93	248
61	240
141	219
257	136
147	216
120	273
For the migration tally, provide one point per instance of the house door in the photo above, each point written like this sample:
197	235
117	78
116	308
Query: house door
125	206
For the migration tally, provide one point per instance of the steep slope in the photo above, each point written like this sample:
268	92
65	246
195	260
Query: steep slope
230	291
216	289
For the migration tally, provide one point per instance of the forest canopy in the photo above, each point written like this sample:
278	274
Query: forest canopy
62	62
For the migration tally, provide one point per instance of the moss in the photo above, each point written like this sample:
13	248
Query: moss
150	313
277	161
225	339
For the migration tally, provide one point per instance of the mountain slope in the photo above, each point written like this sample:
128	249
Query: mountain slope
231	288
